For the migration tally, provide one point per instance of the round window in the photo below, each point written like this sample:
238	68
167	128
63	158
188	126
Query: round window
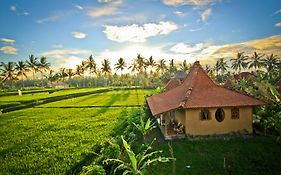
219	115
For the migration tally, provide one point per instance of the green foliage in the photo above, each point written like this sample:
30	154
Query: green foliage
144	127
137	163
93	170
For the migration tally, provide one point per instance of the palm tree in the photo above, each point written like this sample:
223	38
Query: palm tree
141	65
33	65
80	70
150	63
91	65
133	66
120	65
172	66
43	66
21	68
70	73
184	66
272	63
256	61
106	67
62	73
161	66
239	62
8	72
222	65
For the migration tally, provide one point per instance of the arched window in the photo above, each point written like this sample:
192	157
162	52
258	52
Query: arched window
219	115
205	114
235	113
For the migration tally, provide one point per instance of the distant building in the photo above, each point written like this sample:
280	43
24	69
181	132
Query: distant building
231	82
198	106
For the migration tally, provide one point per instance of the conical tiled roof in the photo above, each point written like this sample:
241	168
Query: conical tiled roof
197	91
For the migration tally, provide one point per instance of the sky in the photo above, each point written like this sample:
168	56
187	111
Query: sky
66	32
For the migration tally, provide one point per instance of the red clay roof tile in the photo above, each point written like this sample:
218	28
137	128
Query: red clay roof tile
198	90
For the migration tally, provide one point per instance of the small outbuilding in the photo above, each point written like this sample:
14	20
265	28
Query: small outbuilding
197	106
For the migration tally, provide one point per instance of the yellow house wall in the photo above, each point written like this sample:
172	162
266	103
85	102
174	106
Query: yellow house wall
180	116
195	126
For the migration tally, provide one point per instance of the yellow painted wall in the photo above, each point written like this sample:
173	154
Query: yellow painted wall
195	126
180	116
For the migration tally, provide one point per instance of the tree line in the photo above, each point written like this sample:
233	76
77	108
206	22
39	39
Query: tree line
143	70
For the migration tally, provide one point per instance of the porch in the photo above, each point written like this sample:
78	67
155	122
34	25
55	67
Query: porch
171	125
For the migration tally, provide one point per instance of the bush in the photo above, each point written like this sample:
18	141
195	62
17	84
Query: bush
93	170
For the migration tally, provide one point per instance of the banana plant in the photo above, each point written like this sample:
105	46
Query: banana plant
144	127
137	163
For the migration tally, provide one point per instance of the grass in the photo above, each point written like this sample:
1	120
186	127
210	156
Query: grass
58	141
256	155
113	98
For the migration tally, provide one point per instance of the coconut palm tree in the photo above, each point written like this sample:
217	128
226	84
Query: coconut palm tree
21	69
120	65
172	66
161	65
134	66
62	73
106	69
151	64
80	70
184	66
239	62
43	66
70	73
222	65
33	65
272	63
91	65
141	65
256	61
8	72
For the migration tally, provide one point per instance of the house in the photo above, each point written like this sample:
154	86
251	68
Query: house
242	75
198	107
175	81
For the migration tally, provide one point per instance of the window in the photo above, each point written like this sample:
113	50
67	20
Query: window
205	114
235	113
219	115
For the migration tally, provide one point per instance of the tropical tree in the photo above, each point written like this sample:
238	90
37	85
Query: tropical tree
161	66
256	61
272	63
137	164
239	62
70	73
106	69
91	65
134	66
32	63
62	73
222	65
80	71
144	127
120	65
21	69
151	64
141	64
8	72
172	66
43	66
184	66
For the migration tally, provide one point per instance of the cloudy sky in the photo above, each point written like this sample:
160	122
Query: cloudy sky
68	31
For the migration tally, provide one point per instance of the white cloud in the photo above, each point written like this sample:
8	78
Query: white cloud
78	7
194	30
9	50
13	8
277	12
206	14
67	58
278	24
109	9
26	13
188	2
8	41
56	16
184	48
79	35
60	52
179	13
57	46
137	33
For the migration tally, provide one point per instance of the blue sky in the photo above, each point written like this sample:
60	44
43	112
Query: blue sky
67	32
